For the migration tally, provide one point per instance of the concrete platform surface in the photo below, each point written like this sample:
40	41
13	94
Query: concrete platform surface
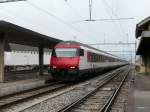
141	94
18	86
22	75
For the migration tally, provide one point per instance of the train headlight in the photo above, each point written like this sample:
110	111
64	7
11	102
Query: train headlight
54	67
72	67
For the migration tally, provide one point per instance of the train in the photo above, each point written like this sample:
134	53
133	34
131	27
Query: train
71	60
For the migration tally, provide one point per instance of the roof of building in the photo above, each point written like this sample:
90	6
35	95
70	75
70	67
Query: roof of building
144	44
142	26
17	47
20	35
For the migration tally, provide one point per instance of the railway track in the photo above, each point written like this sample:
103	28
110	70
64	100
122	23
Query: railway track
27	95
101	98
8	100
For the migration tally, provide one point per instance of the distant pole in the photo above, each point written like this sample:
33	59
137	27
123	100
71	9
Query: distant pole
6	1
90	9
75	38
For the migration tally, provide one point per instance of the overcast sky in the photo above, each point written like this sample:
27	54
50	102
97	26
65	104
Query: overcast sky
63	19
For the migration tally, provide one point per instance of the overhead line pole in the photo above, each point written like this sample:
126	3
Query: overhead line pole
90	9
120	51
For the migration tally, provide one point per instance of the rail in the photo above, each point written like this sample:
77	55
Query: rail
108	103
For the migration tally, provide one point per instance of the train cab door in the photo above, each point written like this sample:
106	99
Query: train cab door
82	59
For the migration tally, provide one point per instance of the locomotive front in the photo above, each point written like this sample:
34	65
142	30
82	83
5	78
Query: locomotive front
64	62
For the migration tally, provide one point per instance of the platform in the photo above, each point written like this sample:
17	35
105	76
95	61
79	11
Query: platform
23	75
140	97
11	87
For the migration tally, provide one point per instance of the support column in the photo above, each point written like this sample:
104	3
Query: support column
41	56
149	27
2	44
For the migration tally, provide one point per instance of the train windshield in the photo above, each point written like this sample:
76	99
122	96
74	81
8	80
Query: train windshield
65	52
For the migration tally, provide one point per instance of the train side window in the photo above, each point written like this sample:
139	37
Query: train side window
81	52
89	56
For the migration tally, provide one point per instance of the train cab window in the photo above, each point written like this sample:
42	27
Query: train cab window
81	52
65	52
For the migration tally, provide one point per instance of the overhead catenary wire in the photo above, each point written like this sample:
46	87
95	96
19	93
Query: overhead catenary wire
20	18
53	16
13	16
74	12
109	14
73	9
121	27
116	16
107	20
90	13
33	5
103	20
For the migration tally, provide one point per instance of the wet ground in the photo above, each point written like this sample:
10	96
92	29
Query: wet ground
9	77
140	94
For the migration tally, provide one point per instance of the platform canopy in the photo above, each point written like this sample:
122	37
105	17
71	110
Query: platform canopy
144	45
11	33
19	35
143	33
143	25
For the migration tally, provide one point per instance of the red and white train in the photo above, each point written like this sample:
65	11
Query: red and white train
71	60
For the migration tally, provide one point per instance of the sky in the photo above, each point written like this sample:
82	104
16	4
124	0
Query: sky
64	19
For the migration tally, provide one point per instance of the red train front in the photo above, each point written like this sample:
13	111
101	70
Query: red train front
71	60
64	62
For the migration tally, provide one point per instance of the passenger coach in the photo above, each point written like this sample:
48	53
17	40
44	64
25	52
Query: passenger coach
71	60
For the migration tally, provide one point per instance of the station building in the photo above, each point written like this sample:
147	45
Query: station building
143	50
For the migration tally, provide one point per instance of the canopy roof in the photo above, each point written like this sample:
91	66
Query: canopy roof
19	35
144	43
142	26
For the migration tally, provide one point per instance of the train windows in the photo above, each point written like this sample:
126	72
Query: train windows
92	57
102	58
89	56
98	58
81	52
95	57
65	52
